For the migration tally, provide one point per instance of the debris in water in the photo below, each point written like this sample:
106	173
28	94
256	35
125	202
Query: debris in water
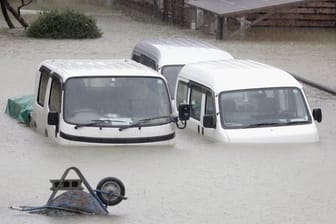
110	191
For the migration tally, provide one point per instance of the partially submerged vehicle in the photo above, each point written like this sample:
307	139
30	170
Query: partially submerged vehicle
169	55
102	102
243	101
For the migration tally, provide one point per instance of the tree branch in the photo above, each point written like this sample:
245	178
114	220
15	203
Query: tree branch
5	14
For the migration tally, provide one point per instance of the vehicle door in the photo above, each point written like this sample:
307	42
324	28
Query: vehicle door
210	113
39	115
196	100
193	94
54	104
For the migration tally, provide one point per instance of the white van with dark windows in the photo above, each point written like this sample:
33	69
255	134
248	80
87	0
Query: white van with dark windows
169	55
243	101
102	102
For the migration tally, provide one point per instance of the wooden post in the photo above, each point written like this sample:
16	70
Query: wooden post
182	12
165	10
220	28
156	7
173	10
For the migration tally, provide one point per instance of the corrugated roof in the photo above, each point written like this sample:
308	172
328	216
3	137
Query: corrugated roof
232	7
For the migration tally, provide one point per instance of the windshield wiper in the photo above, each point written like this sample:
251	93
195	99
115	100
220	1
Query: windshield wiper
96	122
265	124
275	124
295	122
142	121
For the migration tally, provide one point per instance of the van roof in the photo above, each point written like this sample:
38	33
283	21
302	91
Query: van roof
180	51
67	68
226	75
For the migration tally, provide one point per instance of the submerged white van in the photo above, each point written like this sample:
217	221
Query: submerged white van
102	102
243	101
169	55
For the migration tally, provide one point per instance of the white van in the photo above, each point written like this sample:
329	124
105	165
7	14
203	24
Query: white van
102	102
169	55
243	101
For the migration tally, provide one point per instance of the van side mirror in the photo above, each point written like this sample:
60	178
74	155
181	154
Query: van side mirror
317	114
209	121
183	115
53	118
184	112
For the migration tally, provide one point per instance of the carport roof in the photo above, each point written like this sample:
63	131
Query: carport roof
235	7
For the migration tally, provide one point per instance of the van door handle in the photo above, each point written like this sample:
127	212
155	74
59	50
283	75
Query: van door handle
198	129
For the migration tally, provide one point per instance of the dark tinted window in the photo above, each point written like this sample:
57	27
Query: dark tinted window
136	57
148	62
42	88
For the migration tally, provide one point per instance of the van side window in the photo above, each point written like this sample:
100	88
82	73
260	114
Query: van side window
136	58
42	88
55	96
196	102
210	104
182	93
148	62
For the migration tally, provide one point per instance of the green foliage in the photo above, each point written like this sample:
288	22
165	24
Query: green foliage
66	24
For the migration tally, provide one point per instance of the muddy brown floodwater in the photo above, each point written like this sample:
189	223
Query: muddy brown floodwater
195	181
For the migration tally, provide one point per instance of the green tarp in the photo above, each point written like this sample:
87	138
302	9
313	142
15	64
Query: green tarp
20	108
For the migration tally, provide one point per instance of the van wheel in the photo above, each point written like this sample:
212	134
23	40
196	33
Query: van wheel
110	191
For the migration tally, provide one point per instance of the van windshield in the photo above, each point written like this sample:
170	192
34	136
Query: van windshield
263	108
170	72
116	101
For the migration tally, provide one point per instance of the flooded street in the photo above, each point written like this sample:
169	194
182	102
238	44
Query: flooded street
195	181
